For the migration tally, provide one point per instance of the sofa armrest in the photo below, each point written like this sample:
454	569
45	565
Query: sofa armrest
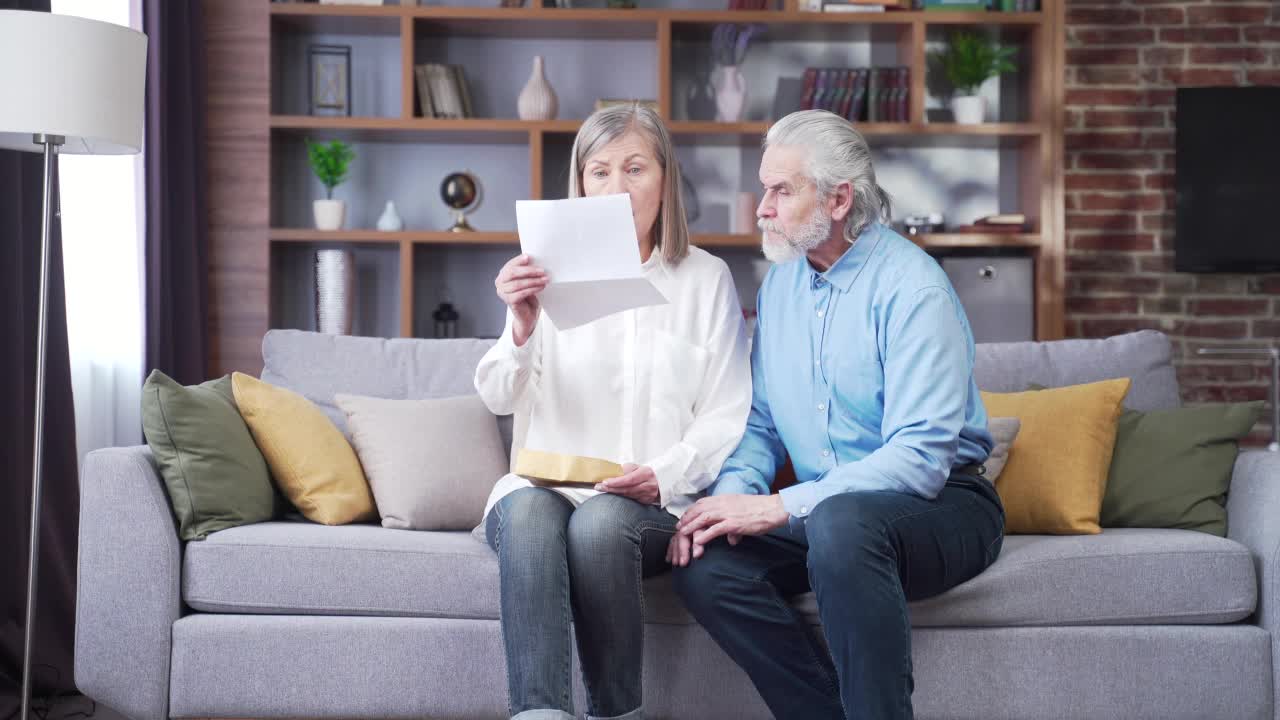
128	594
1253	506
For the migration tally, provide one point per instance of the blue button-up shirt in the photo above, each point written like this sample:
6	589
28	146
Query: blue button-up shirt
863	375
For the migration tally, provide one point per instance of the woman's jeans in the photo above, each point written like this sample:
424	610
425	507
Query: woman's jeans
560	564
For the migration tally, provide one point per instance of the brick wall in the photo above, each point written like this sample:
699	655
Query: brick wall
1124	59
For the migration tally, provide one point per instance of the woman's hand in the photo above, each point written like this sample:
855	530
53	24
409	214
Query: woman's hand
637	482
518	284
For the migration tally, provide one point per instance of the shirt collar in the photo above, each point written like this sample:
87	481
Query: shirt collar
849	266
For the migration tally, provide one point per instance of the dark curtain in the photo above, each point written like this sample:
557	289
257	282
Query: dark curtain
21	176
177	233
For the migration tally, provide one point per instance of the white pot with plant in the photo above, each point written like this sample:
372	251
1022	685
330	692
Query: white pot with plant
969	61
330	161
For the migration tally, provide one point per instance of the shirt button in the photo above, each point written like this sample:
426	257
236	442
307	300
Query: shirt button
822	406
804	509
819	313
826	453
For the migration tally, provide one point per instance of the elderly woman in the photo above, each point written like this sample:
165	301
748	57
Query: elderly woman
663	390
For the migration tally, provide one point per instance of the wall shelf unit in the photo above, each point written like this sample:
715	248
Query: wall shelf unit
260	227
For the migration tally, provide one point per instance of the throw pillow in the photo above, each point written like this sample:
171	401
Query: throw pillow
431	463
214	475
1172	468
1004	430
312	462
1056	475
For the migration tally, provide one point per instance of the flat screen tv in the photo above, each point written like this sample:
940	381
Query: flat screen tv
1228	180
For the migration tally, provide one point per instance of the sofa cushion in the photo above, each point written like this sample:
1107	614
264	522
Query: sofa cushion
319	366
1118	577
1145	357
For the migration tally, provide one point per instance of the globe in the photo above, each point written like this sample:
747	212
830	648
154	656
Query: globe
458	191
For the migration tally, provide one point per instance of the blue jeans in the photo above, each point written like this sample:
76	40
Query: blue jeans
864	555
559	564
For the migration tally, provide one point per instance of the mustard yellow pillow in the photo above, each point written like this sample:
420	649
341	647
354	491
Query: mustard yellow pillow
312	463
1056	475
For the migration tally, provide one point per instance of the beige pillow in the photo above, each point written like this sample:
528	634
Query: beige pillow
431	463
1003	431
310	460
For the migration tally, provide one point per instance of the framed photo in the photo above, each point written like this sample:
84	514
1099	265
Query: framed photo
329	90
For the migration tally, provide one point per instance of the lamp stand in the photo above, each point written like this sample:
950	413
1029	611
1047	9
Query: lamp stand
51	144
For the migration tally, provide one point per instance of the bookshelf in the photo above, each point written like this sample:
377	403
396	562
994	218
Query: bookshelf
254	107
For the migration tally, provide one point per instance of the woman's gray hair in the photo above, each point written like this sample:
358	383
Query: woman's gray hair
671	231
837	153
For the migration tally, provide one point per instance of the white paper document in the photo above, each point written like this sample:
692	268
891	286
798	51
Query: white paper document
588	248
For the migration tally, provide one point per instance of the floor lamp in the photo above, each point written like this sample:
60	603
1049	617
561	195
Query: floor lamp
67	85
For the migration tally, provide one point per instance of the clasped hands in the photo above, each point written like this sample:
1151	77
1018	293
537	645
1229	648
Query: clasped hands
732	516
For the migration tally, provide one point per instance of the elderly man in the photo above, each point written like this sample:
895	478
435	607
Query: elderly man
862	368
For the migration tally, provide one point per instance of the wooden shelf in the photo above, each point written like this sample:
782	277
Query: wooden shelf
414	237
488	130
976	240
301	11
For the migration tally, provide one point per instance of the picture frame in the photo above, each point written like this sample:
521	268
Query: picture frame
329	80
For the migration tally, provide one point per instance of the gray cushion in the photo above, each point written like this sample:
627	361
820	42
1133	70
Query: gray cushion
1144	356
1118	577
318	366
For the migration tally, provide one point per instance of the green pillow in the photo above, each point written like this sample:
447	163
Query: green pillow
213	471
1172	468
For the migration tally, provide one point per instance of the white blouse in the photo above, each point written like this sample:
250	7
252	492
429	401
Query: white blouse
667	386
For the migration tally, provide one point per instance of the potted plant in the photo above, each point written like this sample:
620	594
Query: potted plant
968	61
329	161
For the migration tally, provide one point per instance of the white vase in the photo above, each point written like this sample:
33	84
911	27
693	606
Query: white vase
969	109
390	220
731	93
329	214
537	100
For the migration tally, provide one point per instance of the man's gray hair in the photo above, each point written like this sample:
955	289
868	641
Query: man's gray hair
837	153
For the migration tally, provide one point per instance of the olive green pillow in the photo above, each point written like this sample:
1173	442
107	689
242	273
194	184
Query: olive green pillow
213	471
1172	468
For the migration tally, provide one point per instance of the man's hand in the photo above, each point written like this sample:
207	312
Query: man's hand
731	515
637	482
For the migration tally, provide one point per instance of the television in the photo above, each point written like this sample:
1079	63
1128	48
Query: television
1228	180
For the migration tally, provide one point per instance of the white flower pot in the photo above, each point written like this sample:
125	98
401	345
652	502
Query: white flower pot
969	109
329	214
731	94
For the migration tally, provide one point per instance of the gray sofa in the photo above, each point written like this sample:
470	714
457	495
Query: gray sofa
292	619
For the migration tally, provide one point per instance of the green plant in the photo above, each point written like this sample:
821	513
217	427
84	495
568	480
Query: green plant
971	59
330	161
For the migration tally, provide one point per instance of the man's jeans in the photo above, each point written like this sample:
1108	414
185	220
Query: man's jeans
560	564
864	555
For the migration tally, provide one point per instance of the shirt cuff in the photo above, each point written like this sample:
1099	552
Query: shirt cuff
671	469
731	485
522	354
800	499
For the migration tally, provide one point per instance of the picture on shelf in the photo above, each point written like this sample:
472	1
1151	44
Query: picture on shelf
329	92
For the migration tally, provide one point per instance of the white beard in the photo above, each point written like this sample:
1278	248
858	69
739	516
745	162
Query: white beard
780	248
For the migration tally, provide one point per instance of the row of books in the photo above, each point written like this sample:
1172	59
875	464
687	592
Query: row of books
442	91
859	94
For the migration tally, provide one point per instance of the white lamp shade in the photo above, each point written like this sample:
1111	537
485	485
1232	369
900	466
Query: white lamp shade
81	79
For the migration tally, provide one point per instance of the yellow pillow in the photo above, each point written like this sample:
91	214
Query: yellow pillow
1057	471
312	463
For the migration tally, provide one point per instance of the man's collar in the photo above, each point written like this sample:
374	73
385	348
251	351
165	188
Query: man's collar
850	264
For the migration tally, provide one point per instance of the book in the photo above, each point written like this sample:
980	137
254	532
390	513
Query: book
806	94
851	8
460	80
858	107
989	229
1018	219
966	5
424	91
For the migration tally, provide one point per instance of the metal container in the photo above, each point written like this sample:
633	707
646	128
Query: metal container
997	294
335	291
